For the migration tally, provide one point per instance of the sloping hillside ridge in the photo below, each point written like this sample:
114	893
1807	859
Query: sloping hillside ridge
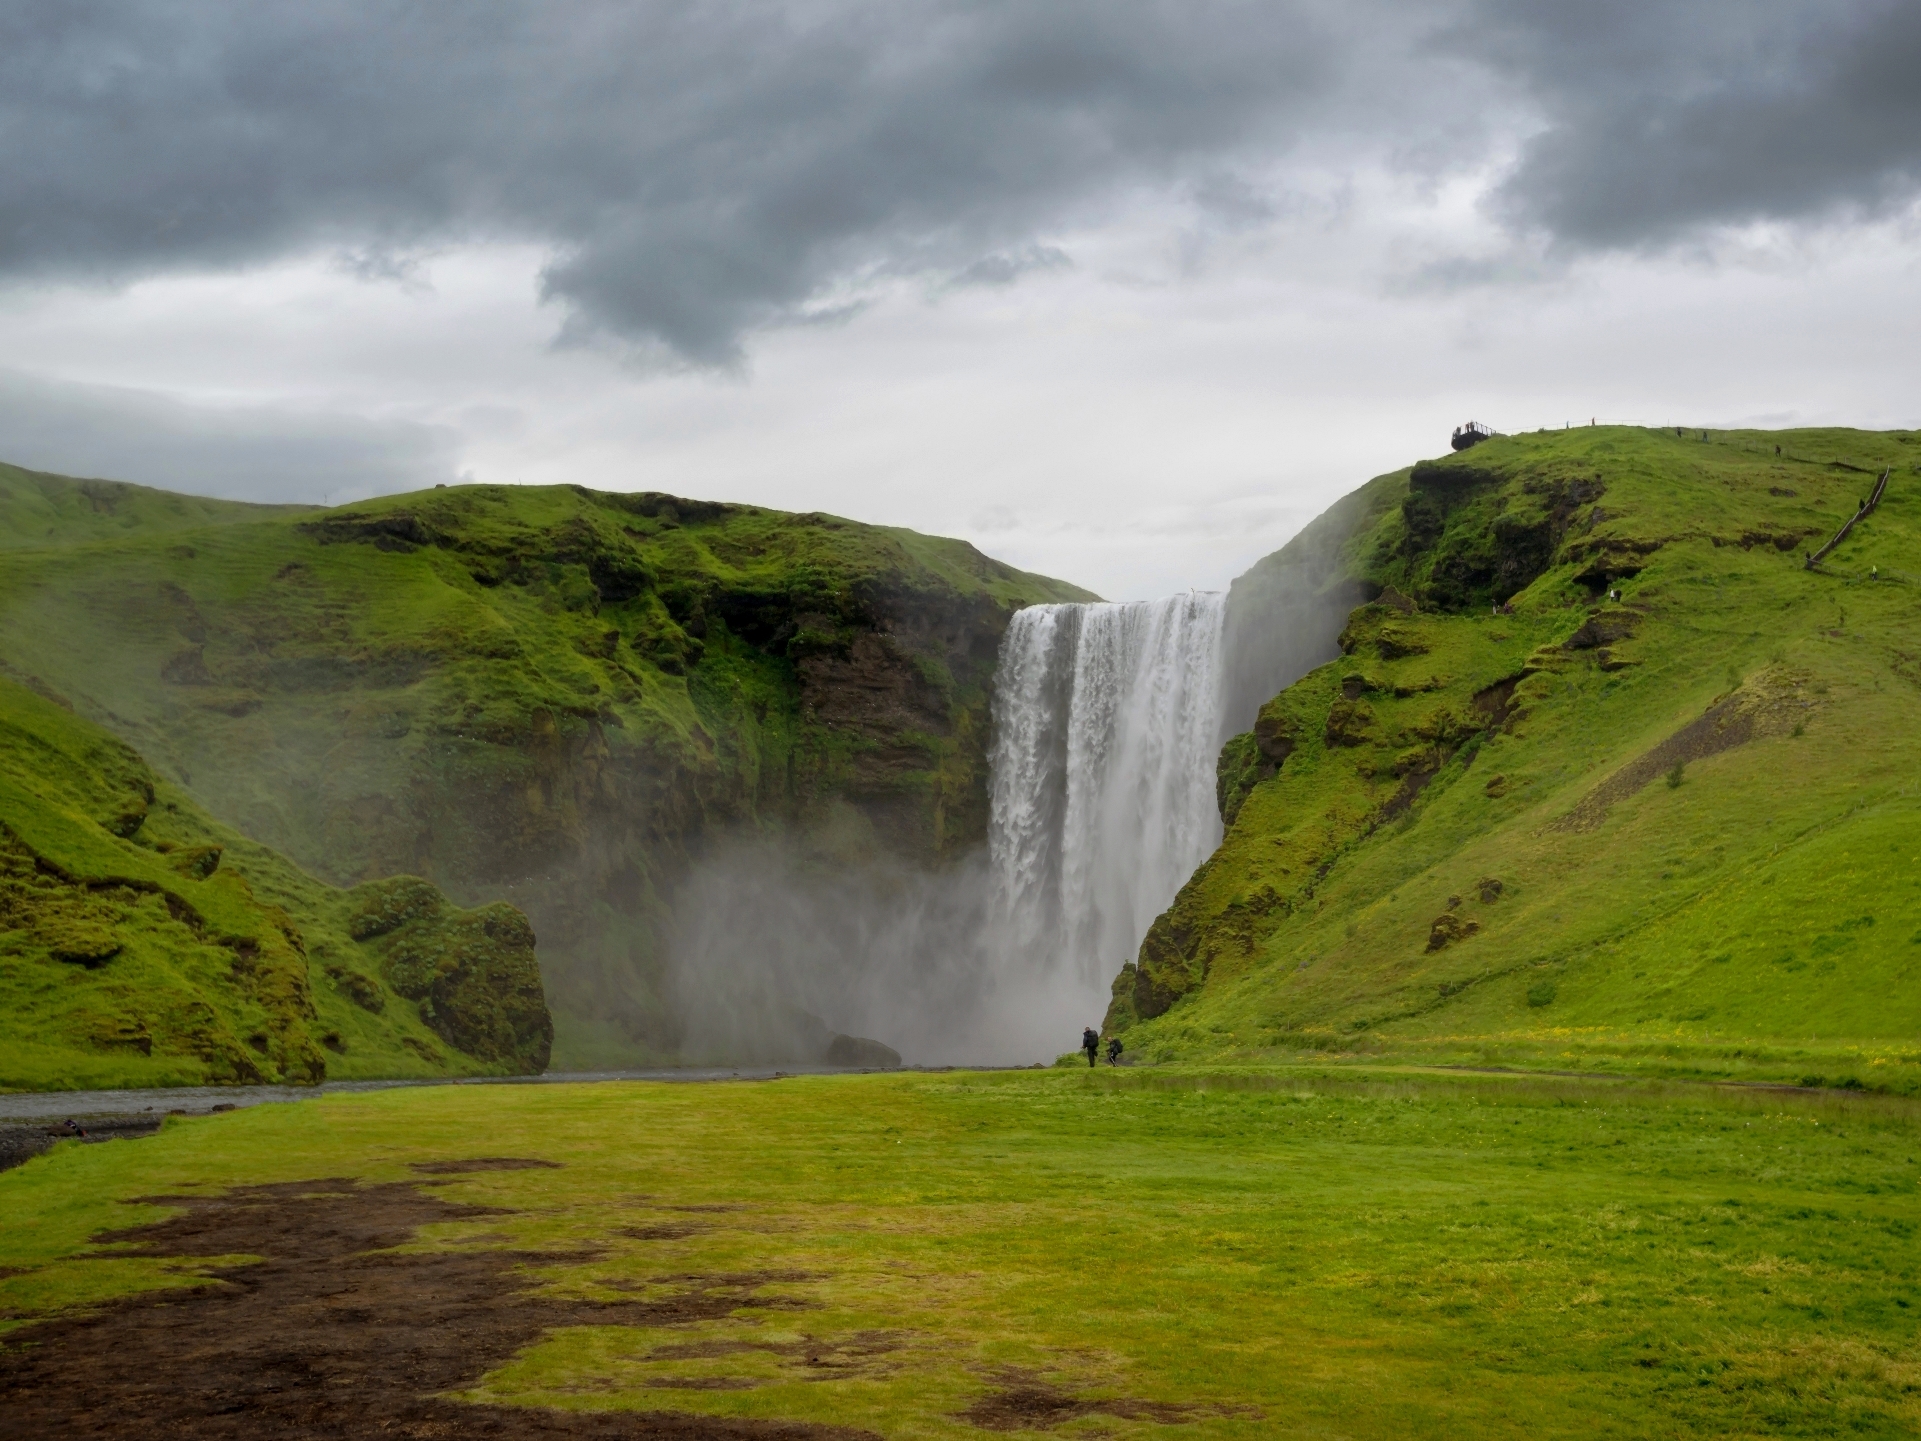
548	695
39	510
1604	777
144	944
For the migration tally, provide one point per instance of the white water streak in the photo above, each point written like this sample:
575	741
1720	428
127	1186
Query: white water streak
1107	719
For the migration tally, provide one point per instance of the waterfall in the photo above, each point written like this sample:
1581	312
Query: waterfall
1107	719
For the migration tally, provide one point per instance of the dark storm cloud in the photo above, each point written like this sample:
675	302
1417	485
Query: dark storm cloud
701	170
244	453
1666	120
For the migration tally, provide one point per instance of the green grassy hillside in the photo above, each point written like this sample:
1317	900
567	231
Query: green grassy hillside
545	695
1519	822
143	943
37	509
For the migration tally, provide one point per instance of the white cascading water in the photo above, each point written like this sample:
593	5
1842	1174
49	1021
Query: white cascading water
1107	719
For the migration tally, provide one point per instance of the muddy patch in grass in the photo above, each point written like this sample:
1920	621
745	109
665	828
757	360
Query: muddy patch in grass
709	1297
819	1357
665	1231
1025	1401
331	1334
483	1163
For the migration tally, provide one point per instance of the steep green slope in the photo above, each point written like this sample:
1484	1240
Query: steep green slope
1518	821
37	509
142	943
547	695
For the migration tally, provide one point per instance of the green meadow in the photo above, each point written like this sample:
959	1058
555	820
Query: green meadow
1275	1252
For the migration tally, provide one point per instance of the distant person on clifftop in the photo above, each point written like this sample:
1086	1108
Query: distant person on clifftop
1091	1043
1114	1051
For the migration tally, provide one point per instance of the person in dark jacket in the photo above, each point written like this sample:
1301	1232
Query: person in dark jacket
1091	1043
1114	1050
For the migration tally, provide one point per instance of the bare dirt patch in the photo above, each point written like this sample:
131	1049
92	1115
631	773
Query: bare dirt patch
1730	722
1024	1401
863	1353
706	1297
483	1163
665	1231
333	1335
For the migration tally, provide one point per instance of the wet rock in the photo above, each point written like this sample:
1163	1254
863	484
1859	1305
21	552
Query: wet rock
385	906
478	983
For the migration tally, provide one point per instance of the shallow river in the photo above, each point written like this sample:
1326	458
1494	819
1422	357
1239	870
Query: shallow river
198	1100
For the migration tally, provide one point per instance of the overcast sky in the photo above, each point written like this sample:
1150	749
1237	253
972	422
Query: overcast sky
1124	292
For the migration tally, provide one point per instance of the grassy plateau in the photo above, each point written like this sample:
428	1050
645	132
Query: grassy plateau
1175	1252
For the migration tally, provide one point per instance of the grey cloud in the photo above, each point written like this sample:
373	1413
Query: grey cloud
1229	203
1665	119
700	169
251	453
1007	266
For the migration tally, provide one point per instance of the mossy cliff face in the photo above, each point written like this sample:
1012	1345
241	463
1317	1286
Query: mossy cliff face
1602	773
142	943
552	697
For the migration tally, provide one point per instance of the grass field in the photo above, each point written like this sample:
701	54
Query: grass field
1181	1253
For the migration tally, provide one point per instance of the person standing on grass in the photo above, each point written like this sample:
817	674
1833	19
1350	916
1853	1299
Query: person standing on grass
1091	1043
1113	1050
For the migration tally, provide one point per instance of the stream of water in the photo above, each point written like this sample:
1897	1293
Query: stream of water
1107	719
